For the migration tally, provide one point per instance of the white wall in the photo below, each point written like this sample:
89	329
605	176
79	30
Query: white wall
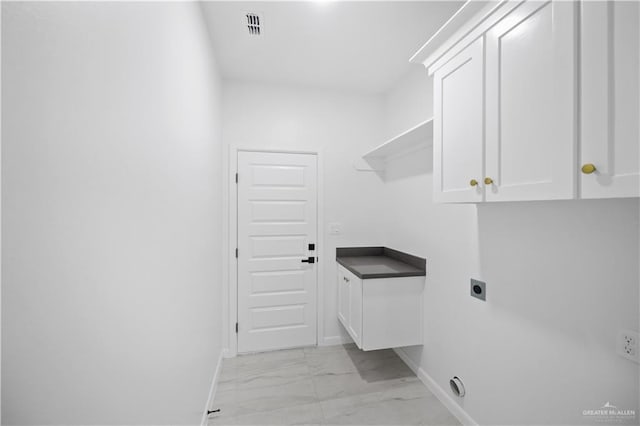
562	279
342	126
111	213
0	218
409	102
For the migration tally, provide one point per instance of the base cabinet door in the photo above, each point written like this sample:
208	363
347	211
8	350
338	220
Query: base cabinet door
392	313
610	88
381	313
343	298
355	310
458	127
350	304
531	126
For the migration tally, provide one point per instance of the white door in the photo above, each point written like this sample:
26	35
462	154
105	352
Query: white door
531	103
277	214
458	127
610	134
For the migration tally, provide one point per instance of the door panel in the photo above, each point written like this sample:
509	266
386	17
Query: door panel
458	127
531	137
343	298
355	310
277	215
277	316
278	211
278	281
610	137
278	246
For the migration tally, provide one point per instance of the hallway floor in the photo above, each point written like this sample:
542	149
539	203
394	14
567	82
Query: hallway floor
324	385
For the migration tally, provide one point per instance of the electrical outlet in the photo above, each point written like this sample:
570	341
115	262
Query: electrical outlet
478	289
627	345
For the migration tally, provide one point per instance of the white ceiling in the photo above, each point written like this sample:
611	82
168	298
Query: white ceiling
361	46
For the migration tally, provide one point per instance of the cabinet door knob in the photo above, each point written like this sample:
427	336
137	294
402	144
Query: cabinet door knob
473	182
488	181
588	168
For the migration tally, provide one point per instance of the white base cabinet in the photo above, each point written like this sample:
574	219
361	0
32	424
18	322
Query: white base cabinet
381	313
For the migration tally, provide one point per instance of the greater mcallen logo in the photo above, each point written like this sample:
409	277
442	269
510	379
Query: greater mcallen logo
610	413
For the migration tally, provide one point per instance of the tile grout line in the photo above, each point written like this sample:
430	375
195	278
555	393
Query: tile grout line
315	390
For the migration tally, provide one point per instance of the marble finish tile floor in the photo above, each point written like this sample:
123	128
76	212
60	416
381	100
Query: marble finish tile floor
334	385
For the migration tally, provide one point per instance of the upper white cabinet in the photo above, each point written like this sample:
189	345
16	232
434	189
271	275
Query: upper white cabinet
458	127
531	103
610	132
527	93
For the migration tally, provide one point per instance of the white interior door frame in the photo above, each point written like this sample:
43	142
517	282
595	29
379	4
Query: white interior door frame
230	223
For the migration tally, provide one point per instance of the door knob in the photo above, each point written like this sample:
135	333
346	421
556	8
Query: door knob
473	182
309	260
488	181
588	168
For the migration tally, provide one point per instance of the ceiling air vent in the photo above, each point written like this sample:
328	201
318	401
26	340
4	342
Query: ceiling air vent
254	24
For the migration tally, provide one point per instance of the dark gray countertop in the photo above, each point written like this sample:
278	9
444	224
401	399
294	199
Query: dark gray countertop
380	262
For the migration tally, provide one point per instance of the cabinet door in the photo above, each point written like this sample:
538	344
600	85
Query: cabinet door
355	310
458	127
609	98
343	298
531	103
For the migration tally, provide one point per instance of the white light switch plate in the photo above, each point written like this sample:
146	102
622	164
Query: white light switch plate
335	228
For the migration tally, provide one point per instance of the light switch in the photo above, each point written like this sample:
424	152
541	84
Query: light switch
335	228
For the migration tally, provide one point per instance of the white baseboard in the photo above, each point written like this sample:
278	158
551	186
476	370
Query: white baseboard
455	409
335	340
214	387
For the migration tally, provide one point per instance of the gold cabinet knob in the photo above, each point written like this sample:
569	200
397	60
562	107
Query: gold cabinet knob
473	182
588	168
488	181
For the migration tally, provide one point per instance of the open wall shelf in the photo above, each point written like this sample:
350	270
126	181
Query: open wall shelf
417	137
